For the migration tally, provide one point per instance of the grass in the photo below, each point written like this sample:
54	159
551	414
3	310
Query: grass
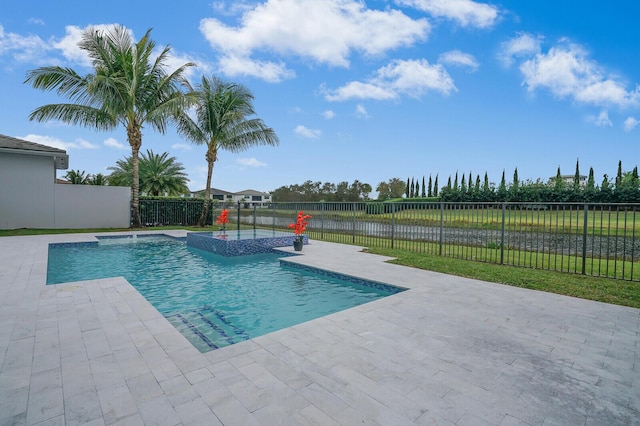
600	289
586	287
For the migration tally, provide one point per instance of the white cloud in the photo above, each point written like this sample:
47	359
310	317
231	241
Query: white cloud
522	45
325	31
464	12
79	143
458	58
328	114
361	111
250	162
602	119
411	78
630	123
181	146
113	143
567	72
29	48
271	72
306	132
36	21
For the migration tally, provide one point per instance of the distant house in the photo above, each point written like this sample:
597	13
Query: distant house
568	179
249	197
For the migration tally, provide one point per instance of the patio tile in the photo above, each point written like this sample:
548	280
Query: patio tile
448	351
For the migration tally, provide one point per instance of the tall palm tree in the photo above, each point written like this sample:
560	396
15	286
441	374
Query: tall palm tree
159	174
222	121
127	86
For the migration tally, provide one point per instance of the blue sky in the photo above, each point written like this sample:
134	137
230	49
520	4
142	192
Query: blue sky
364	90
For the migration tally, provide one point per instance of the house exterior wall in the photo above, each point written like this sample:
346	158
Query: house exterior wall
26	191
29	198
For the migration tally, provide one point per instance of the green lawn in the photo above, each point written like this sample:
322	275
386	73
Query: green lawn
586	287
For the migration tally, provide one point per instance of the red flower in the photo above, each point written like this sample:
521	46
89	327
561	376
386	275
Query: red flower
301	223
223	219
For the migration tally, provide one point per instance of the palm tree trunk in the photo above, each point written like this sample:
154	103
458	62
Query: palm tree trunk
207	197
135	140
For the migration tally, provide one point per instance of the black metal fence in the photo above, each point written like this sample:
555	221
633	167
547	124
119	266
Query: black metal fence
590	239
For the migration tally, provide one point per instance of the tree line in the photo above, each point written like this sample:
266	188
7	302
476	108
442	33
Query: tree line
624	188
317	191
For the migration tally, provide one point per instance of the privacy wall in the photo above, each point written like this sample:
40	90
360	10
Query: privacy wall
29	198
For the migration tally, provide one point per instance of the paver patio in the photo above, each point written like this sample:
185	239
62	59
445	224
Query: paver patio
448	351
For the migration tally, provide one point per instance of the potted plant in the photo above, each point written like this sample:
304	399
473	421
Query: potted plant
298	229
223	219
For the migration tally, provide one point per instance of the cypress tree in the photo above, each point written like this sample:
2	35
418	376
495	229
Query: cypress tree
477	183
576	177
416	194
430	192
413	188
502	190
449	182
406	191
435	187
463	185
470	181
619	175
591	182
559	182
455	182
424	189
485	185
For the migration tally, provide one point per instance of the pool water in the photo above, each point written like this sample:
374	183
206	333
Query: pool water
213	300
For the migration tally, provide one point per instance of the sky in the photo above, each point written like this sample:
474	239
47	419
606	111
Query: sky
366	90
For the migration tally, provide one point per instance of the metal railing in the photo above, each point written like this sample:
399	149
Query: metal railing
591	239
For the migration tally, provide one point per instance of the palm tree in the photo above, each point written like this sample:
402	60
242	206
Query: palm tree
222	121
159	174
127	86
98	179
77	177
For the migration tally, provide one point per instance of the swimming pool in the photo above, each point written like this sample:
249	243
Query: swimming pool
213	300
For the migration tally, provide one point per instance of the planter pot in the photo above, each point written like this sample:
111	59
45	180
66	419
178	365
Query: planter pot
297	245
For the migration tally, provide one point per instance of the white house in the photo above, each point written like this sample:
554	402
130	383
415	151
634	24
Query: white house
30	197
248	197
568	179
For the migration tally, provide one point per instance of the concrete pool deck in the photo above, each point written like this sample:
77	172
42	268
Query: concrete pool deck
448	351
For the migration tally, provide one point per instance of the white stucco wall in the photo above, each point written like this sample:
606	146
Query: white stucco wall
91	206
29	198
26	191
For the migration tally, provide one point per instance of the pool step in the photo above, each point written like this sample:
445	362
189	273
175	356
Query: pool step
210	326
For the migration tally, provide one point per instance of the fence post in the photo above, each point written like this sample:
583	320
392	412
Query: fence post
353	231
254	217
393	222
322	220
585	228
273	222
441	228
238	215
504	207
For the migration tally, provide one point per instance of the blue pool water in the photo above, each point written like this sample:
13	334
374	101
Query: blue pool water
214	301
